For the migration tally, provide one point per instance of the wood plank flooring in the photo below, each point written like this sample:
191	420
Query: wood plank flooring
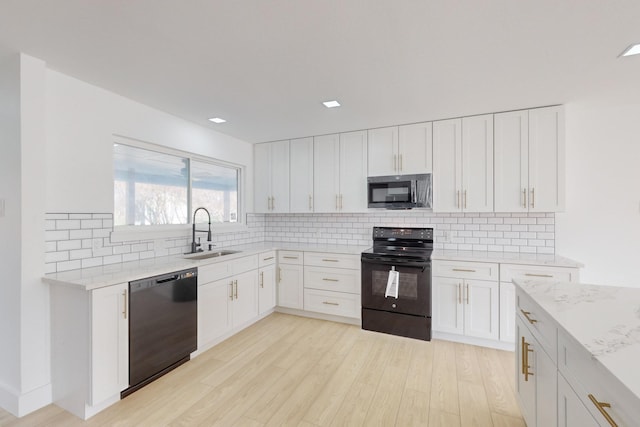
295	371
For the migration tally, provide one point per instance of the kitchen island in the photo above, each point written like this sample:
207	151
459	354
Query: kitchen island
577	352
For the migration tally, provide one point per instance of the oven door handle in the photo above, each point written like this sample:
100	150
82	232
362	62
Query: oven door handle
396	262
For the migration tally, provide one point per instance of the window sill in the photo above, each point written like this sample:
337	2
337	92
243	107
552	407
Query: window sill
153	232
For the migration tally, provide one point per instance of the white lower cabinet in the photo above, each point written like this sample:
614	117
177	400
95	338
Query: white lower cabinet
507	312
267	282
90	347
571	411
290	279
227	303
332	284
535	379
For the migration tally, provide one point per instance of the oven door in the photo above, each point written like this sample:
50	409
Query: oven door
414	286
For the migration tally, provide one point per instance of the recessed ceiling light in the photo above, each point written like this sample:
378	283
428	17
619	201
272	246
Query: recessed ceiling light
634	49
217	120
331	104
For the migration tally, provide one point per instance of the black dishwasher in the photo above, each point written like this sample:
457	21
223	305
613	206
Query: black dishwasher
163	325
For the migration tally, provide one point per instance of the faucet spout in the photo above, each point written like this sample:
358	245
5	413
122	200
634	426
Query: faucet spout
195	247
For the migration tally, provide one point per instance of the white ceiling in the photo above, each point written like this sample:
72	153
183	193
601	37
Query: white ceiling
265	66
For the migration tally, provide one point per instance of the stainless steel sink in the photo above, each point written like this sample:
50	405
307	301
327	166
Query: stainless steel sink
207	255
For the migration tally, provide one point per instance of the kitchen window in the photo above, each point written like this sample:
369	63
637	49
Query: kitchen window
157	187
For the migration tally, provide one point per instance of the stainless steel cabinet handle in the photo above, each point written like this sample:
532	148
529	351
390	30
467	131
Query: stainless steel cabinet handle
279	274
330	260
235	285
231	290
267	258
457	198
467	294
400	162
330	303
538	275
330	280
465	199
341	202
273	203
310	202
459	293
601	407
289	257
124	307
463	269
524	198
262	279
336	202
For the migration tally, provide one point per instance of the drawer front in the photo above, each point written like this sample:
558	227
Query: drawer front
336	303
267	258
332	279
320	259
466	270
244	264
212	272
290	257
588	377
509	272
538	321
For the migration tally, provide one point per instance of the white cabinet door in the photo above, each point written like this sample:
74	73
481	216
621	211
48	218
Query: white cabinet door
511	167
382	146
214	314
245	297
415	148
271	180
447	167
290	286
447	308
480	301
109	342
262	178
477	164
546	388
301	175
267	288
280	176
507	312
546	160
525	384
326	160
571	411
353	172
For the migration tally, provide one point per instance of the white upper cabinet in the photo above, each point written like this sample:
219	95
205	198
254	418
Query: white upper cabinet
340	178
415	148
353	172
477	164
383	151
271	177
447	165
326	158
301	177
529	160
400	150
463	164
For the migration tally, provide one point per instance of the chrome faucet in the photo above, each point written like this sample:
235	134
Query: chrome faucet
195	247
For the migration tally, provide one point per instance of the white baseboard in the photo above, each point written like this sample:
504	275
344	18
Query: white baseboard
500	345
22	404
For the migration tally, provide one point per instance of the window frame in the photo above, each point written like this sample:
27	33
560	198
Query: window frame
122	233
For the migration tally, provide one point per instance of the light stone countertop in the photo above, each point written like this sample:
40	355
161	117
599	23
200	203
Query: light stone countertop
113	274
505	258
603	319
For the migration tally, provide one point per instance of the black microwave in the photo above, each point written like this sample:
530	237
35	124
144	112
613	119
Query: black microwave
399	191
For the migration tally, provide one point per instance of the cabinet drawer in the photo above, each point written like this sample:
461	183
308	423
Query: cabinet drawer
588	377
290	257
466	270
337	303
332	279
267	258
508	272
212	272
241	265
538	321
320	259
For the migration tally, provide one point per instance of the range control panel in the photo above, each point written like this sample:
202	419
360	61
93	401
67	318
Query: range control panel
402	233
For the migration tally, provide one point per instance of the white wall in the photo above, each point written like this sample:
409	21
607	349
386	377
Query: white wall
81	120
10	231
601	225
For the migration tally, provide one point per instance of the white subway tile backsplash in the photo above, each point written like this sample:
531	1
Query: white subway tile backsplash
90	223
79	234
67	224
66	245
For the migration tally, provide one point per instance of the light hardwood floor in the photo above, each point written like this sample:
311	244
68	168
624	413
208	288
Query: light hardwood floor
289	370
